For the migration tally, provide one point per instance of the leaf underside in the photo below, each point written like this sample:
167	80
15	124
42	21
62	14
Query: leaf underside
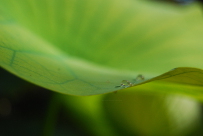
87	47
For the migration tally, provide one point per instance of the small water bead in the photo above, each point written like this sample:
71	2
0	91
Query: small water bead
139	78
125	84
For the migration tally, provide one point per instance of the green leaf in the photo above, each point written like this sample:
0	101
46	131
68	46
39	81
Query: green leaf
87	47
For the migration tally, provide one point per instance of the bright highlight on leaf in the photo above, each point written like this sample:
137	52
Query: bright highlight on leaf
88	47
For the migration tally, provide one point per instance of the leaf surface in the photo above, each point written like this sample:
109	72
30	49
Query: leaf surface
88	47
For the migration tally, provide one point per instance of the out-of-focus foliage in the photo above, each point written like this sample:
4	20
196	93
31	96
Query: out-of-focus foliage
152	114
